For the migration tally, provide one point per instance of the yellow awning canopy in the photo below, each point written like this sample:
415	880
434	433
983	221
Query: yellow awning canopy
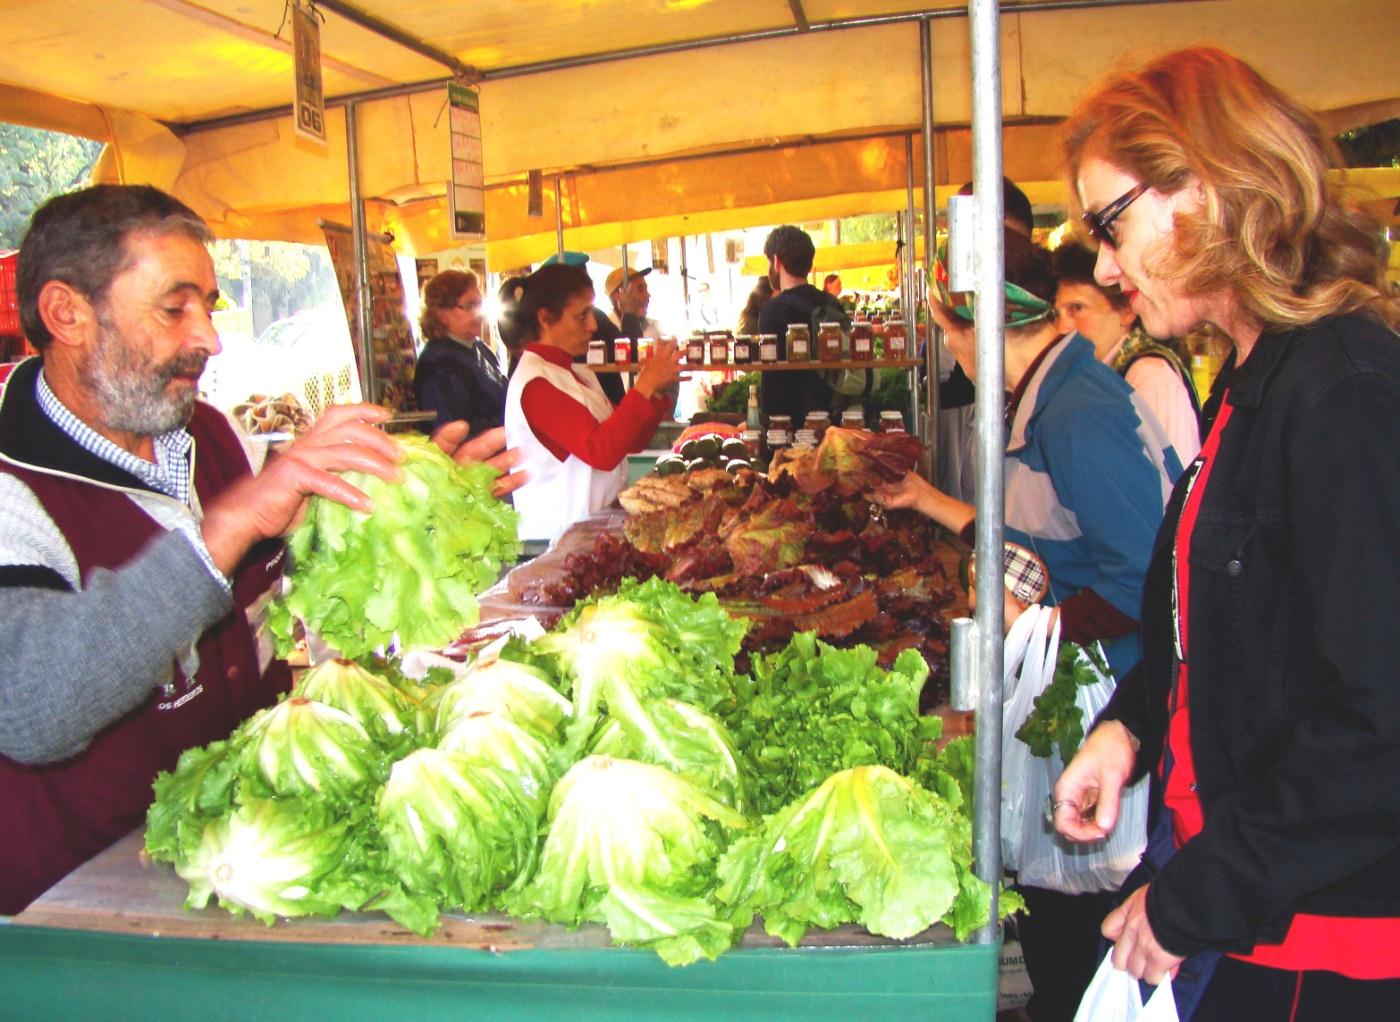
798	125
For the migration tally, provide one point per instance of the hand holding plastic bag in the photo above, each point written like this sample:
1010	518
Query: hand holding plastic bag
1115	996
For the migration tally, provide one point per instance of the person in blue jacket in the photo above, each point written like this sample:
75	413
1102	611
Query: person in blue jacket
1088	472
458	376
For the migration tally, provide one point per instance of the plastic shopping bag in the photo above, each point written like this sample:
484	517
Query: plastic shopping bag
1114	996
1031	646
1057	864
1030	845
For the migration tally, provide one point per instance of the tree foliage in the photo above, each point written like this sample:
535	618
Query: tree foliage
35	166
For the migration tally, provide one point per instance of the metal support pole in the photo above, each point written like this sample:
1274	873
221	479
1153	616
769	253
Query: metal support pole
559	216
364	337
933	371
910	284
984	21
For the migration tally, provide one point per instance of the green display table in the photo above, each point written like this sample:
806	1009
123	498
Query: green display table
111	942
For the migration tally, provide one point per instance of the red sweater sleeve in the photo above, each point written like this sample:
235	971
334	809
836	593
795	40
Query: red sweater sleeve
565	426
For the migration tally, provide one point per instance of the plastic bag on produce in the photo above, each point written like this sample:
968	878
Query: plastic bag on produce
1114	996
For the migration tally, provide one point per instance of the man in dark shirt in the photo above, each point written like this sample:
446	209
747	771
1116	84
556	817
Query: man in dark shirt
790	250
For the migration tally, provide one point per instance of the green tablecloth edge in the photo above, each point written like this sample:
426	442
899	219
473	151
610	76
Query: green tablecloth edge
49	973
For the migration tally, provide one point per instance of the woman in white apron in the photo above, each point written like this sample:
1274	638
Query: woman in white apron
574	443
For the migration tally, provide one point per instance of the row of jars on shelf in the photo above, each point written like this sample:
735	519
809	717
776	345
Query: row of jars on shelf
780	432
724	348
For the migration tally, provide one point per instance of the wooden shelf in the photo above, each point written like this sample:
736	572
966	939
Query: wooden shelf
767	367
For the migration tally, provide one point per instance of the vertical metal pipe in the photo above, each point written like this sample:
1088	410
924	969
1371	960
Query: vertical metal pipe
359	248
559	216
931	349
910	284
985	24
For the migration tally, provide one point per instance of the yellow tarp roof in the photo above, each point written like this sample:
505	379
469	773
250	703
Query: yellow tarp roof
122	70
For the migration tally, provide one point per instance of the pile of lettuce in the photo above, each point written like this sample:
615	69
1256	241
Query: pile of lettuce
409	571
616	771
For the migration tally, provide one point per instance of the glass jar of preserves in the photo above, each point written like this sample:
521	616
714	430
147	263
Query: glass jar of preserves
862	346
853	418
597	353
719	349
891	421
622	350
768	347
695	350
829	342
817	422
799	343
753	440
776	440
896	340
743	350
804	438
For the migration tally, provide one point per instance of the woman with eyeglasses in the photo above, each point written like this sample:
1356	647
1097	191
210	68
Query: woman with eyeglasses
1268	699
458	376
574	443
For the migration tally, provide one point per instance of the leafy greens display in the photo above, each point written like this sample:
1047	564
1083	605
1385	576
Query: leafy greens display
638	804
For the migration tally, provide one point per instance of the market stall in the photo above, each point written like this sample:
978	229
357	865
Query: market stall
82	943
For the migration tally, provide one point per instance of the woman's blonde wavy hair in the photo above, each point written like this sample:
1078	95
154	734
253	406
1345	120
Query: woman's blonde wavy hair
1274	229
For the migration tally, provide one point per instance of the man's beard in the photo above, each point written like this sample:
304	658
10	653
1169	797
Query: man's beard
131	389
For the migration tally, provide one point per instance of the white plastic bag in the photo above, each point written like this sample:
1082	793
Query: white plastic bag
1030	846
1114	996
1032	647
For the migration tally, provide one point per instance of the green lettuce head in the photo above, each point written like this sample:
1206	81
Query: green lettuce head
633	846
411	569
274	857
302	747
456	829
386	712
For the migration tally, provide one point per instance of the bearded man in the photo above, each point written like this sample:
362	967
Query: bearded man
136	544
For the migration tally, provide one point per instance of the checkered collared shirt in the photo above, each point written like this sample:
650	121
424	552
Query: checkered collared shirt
169	475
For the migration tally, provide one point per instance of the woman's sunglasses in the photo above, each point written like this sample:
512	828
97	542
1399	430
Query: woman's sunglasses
1101	223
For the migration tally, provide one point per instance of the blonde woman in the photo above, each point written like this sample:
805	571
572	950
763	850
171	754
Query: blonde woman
1268	698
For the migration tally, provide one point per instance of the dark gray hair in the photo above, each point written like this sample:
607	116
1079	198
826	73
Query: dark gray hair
81	239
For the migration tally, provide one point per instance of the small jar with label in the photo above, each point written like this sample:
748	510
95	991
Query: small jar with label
776	440
597	353
695	350
891	421
799	343
829	342
896	340
804	438
645	347
853	418
818	421
768	347
622	350
753	440
862	345
719	349
743	350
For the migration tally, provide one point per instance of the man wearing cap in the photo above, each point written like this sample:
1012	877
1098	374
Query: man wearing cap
627	291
